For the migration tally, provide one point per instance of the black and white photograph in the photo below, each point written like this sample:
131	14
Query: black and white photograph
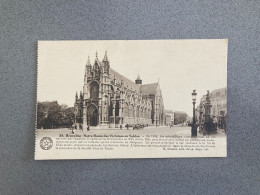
131	99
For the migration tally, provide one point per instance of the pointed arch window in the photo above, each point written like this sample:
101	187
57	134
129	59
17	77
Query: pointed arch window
94	90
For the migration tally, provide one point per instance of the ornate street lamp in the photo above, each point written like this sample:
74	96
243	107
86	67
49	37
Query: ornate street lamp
201	112
193	129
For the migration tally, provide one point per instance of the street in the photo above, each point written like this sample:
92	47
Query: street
163	130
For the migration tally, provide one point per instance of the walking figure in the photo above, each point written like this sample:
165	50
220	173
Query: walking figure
88	128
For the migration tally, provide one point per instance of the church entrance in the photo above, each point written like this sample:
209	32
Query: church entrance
92	115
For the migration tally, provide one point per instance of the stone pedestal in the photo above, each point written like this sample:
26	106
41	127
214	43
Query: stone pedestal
209	128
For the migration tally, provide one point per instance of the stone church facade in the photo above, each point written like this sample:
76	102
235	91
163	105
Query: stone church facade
110	100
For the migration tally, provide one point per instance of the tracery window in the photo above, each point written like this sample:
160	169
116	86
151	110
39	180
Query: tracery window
94	90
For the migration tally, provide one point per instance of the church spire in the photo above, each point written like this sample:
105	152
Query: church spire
88	62
138	80
76	97
138	77
105	63
81	95
96	63
88	69
105	57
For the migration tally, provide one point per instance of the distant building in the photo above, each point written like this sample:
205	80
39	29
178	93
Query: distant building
219	102
169	117
110	99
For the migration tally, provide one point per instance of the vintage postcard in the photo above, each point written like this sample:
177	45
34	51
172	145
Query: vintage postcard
131	99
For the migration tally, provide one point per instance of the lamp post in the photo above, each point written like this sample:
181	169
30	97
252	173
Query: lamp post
201	112
193	129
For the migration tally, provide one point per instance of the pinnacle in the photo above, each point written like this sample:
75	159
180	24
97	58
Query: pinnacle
138	77
105	57
88	62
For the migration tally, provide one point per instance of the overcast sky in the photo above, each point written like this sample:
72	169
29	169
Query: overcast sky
180	66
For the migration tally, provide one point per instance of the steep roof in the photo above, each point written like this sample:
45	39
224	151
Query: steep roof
149	89
144	89
127	82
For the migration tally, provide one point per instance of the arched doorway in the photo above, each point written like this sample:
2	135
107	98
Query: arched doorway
92	115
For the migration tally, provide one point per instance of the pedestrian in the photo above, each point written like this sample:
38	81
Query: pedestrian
127	126
88	129
120	127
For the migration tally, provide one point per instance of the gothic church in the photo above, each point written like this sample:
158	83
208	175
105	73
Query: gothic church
110	100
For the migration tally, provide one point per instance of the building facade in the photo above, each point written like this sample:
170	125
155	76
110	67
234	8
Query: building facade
111	100
169	117
218	111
